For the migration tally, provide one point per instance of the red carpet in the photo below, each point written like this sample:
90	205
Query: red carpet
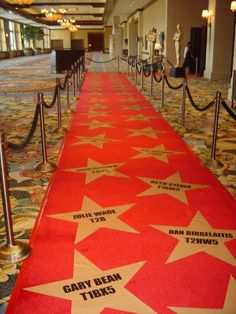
131	223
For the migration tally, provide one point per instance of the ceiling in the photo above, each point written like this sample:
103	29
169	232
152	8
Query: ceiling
86	13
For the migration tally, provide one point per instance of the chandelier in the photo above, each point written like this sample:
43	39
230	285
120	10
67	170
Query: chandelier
74	28
67	23
64	23
23	2
53	15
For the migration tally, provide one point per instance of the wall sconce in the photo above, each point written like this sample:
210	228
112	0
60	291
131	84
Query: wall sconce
233	9
207	14
233	6
157	48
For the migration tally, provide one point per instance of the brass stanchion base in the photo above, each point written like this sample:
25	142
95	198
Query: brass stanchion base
45	167
214	164
60	131
69	111
14	253
183	131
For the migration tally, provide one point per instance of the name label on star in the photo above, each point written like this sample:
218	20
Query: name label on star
95	216
155	152
170	185
91	284
201	237
99	169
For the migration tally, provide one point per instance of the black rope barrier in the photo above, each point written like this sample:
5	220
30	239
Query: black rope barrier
102	61
62	87
122	58
30	134
196	106
169	62
230	112
53	100
156	79
147	70
170	86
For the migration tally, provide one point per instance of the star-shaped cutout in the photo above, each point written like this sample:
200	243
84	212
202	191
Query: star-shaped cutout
95	170
128	100
97	141
91	289
150	132
132	107
157	152
99	124
92	114
138	117
96	99
172	186
93	217
199	236
228	308
98	106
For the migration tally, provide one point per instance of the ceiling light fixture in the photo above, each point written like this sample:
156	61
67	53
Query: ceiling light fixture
23	2
53	15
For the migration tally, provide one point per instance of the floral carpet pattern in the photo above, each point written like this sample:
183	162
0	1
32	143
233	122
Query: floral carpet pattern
21	80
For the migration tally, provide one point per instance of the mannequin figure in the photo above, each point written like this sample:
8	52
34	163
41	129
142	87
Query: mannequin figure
176	38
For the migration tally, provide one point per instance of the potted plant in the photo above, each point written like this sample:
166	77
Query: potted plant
31	34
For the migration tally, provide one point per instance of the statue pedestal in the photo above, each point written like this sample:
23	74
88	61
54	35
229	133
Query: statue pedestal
177	72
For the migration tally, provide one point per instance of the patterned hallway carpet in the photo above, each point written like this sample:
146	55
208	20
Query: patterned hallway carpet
19	86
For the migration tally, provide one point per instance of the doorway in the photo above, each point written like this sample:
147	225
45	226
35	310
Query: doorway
198	41
96	42
57	44
77	44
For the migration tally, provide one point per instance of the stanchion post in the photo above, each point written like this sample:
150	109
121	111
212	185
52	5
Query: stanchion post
183	102
163	89
151	81
76	74
83	64
73	80
136	72
127	66
44	166
196	69
142	76
118	63
12	251
59	129
213	163
68	110
215	127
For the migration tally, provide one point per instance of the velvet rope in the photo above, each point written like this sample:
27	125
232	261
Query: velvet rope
156	79
230	112
170	86
144	72
53	100
102	61
196	106
169	62
30	134
126	60
62	87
